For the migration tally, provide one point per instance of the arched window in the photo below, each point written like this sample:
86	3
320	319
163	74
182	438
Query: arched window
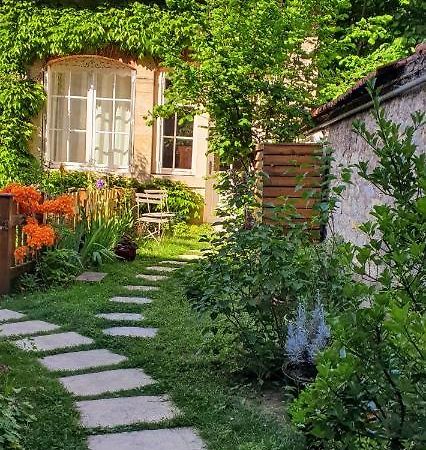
90	112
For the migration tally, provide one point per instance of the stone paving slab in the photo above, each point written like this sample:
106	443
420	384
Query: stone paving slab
131	332
7	314
108	381
136	300
161	268
166	439
111	412
91	276
149	277
190	257
53	342
82	360
27	327
142	288
178	263
134	317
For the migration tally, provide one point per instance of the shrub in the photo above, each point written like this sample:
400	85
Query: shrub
15	414
254	278
58	266
370	390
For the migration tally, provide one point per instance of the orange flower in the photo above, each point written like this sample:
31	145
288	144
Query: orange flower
63	205
20	254
38	236
27	197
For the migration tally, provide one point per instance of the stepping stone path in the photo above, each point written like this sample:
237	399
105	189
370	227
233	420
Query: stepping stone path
82	360
167	439
133	317
190	257
112	412
116	411
92	277
131	332
161	269
142	288
27	327
149	277
53	342
136	300
7	314
108	381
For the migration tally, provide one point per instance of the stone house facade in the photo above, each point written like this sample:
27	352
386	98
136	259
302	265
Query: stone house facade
97	117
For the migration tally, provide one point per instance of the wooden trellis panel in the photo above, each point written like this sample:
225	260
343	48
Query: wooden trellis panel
290	172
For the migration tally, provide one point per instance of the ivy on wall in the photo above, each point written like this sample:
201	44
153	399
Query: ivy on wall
240	61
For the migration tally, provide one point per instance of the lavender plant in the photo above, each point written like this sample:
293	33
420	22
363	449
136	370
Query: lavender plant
307	335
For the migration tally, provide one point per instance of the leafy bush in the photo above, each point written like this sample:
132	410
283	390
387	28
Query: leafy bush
184	201
370	391
58	266
15	414
255	278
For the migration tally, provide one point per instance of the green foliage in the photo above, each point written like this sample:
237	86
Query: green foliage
58	266
365	34
370	389
239	61
15	415
255	278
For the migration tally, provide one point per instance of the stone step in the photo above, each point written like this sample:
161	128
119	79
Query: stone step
112	412
142	288
6	315
109	381
27	327
135	300
160	269
91	276
53	342
133	317
149	277
190	257
131	332
178	263
165	439
82	360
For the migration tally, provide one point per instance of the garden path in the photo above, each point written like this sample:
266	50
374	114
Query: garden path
94	376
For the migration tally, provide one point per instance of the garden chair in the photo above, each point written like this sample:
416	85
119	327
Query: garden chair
154	223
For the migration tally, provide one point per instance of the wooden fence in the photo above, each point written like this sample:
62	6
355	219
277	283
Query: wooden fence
11	237
95	203
292	172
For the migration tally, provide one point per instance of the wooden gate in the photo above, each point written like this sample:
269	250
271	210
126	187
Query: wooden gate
292	173
11	237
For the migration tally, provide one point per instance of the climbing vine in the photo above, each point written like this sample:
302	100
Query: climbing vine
242	62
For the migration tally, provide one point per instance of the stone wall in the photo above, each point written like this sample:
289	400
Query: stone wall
349	149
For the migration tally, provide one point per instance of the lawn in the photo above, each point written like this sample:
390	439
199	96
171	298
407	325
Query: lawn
221	409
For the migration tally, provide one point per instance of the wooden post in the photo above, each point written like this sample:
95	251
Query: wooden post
7	241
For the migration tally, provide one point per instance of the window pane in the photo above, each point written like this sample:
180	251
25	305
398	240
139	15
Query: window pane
122	116
183	154
104	115
168	153
121	150
104	85
59	113
123	87
78	114
58	146
169	126
77	150
79	83
185	129
102	148
59	83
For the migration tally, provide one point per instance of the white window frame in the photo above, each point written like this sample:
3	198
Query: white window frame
90	116
160	137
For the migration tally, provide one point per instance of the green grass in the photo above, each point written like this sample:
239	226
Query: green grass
208	400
